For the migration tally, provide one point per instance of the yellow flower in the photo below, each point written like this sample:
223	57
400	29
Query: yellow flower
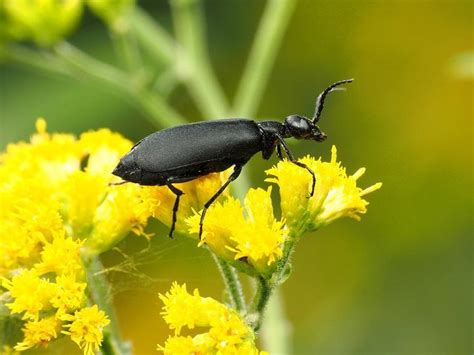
86	328
196	193
39	333
125	208
55	253
69	294
336	195
43	21
255	236
56	203
226	332
31	294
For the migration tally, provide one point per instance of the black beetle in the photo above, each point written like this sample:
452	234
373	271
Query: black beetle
186	152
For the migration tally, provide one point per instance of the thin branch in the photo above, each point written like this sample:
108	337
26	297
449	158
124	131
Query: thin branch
203	85
262	56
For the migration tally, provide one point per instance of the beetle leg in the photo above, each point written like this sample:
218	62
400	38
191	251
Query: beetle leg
178	194
279	152
283	144
235	174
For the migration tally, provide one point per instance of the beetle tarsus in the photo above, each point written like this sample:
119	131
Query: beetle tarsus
178	194
235	174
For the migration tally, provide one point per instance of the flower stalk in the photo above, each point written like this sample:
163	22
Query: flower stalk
98	286
232	284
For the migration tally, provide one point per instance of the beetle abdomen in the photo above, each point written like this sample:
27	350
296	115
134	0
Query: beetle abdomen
196	144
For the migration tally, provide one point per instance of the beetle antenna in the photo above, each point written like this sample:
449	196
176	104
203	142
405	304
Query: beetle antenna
322	97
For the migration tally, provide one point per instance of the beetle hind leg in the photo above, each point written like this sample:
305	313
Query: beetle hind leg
235	174
178	194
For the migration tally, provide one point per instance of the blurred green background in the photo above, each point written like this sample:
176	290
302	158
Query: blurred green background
398	282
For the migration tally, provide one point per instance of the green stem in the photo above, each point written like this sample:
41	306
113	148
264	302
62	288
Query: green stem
202	83
266	287
154	38
156	108
98	287
39	60
125	45
262	296
262	56
232	284
275	331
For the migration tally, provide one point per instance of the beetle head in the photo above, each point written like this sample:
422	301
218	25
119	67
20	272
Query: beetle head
301	127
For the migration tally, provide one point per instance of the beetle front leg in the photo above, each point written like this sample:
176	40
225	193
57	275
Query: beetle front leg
283	144
178	194
235	174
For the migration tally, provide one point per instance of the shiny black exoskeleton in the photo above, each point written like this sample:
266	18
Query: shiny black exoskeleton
184	153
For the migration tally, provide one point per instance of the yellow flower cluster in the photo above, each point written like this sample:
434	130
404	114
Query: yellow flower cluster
226	333
56	205
336	195
250	232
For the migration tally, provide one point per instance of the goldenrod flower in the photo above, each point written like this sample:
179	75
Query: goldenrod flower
44	22
30	292
250	232
39	333
336	195
86	328
69	294
55	253
56	205
226	332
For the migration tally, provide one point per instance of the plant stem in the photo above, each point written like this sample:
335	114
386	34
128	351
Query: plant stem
275	331
262	56
126	47
98	287
154	38
156	108
232	284
203	85
262	296
266	287
42	61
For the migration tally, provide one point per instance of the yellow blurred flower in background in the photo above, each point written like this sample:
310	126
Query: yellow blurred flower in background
224	330
45	22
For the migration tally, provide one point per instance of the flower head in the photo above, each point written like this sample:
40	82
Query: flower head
86	328
226	332
39	333
30	292
336	194
56	205
250	232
